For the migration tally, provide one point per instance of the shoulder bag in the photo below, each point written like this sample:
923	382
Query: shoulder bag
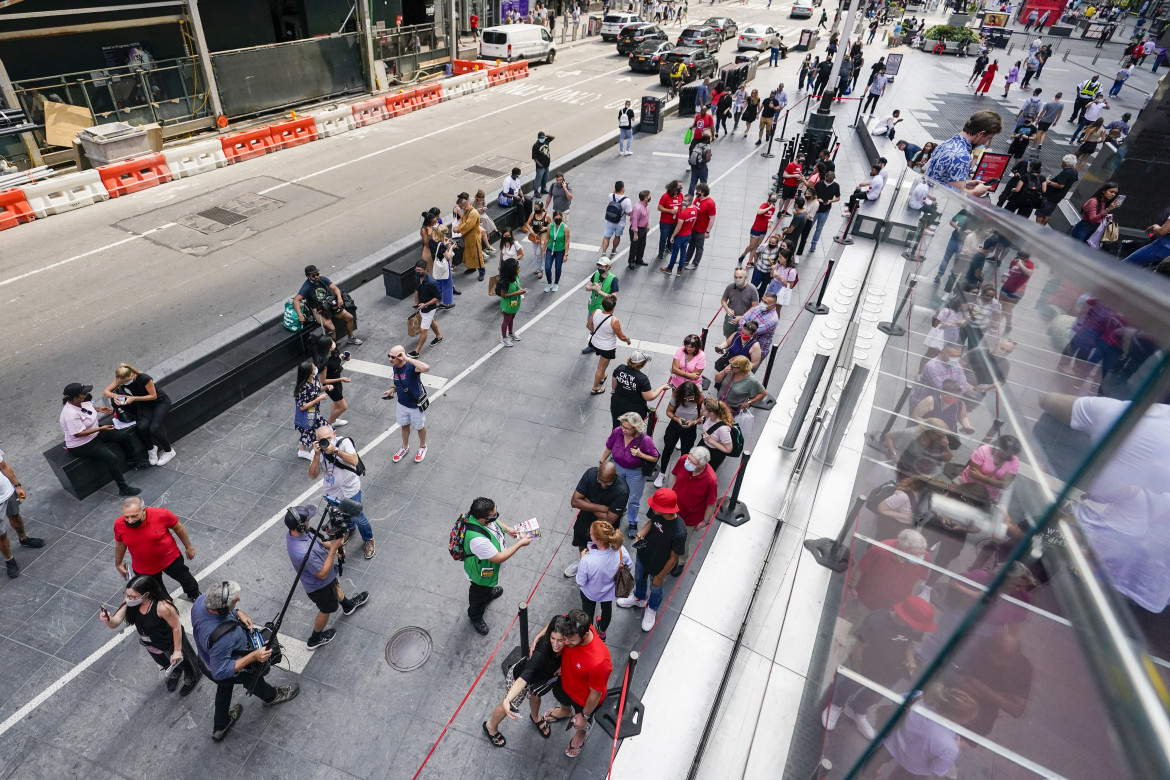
623	578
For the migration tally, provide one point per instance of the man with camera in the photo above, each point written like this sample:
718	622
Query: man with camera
223	639
325	300
337	458
320	572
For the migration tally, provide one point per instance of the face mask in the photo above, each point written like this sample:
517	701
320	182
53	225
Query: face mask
741	282
953	361
134	602
557	220
689	466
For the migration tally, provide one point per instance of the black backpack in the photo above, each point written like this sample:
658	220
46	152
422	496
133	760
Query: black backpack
879	494
1033	196
736	439
613	210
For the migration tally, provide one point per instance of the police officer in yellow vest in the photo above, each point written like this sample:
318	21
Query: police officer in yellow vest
1086	91
602	283
484	545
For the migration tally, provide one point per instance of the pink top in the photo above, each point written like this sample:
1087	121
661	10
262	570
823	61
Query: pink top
640	217
696	363
76	419
983	458
1094	211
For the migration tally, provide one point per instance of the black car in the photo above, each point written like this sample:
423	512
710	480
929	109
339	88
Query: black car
702	37
648	56
727	27
634	35
699	62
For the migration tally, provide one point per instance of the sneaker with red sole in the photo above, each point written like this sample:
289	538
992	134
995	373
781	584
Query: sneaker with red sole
399	455
422	453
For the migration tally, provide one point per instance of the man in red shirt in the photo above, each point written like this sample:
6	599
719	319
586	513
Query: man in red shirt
759	228
585	670
883	577
668	208
791	182
146	533
705	205
473	23
697	489
704	120
684	225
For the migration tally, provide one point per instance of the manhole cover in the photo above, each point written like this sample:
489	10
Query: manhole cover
222	215
228	214
480	170
408	649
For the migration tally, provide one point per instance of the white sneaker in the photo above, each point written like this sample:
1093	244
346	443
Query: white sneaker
304	454
555	287
571	569
548	288
507	342
166	457
862	722
514	337
659	480
631	601
339	423
422	453
648	618
152	456
830	716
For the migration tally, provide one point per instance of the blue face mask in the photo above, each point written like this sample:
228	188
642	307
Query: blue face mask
689	466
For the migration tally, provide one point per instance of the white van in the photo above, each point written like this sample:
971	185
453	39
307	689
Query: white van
612	24
511	42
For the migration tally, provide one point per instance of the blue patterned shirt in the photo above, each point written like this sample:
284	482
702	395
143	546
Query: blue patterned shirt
951	161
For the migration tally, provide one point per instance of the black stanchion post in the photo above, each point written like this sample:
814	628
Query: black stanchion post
894	415
892	328
819	307
833	553
631	707
771	361
849	214
768	149
734	512
703	338
523	616
857	118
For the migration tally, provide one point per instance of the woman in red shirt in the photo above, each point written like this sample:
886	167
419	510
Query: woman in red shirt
759	229
1014	284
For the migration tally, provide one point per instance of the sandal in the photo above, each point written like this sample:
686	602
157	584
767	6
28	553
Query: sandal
542	727
548	716
573	752
597	391
497	739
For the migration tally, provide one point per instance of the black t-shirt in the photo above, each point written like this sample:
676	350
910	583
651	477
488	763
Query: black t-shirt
770	106
665	537
540	154
797	223
629	384
427	291
826	192
331	368
885	641
824	70
1067	177
316	293
138	388
616	496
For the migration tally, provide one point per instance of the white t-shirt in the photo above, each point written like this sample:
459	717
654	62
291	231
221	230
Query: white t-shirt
918	194
341	482
511	187
627	207
1142	460
6	488
1094	110
603	335
876	184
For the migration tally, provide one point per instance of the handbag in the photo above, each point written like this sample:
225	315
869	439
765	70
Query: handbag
414	324
304	417
934	339
649	467
423	402
688	136
491	290
623	578
1095	239
1112	232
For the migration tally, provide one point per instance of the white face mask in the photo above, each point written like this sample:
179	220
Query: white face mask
134	602
954	361
689	466
741	282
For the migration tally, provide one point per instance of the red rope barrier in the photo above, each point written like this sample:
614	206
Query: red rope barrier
617	729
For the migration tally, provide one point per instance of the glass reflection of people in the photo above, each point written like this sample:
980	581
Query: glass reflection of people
997	675
921	746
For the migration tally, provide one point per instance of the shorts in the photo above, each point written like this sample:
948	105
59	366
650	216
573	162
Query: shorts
1043	126
613	229
1014	297
336	394
415	418
766	121
427	318
326	598
581	530
12	507
757	233
1047	209
788	192
559	693
608	354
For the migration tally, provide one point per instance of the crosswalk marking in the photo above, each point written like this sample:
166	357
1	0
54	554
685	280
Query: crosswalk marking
386	372
296	651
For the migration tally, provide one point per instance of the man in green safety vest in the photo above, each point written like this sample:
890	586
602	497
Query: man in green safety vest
1086	91
483	544
602	283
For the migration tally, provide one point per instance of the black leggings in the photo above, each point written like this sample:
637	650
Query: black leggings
99	449
674	434
870	102
590	609
189	668
150	425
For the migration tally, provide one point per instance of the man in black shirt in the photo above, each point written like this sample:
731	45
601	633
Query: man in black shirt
768	119
426	302
824	72
660	544
599	495
1056	188
542	158
828	192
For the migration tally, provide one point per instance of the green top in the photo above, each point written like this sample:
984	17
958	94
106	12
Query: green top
607	285
479	571
556	237
511	305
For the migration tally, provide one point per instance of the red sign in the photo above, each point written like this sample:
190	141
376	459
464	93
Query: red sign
398	22
992	166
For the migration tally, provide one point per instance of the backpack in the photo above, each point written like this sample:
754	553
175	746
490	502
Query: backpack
736	439
1033	196
613	210
879	494
698	155
456	542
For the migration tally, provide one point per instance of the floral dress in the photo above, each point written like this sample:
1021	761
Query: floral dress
309	390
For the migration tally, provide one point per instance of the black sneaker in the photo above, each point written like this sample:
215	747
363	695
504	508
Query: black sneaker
173	682
480	626
356	603
32	541
189	685
437	339
323	638
414	353
497	592
456	291
284	693
677	570
233	714
13	568
129	490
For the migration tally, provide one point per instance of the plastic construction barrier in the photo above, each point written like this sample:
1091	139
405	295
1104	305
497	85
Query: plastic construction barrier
293	133
65	193
195	158
466	66
400	103
477	81
520	69
456	86
334	121
497	76
247	145
367	112
14	209
428	95
140	173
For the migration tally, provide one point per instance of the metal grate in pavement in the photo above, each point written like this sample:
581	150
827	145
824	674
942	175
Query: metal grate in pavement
228	214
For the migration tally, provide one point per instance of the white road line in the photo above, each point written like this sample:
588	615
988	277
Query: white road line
669	154
654	346
386	372
68	260
586	247
239	546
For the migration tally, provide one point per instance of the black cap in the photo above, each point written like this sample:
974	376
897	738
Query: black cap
74	389
310	270
299	516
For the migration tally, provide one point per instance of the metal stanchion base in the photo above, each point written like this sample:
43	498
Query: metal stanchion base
765	154
632	715
766	404
846	240
828	553
733	515
816	308
890	329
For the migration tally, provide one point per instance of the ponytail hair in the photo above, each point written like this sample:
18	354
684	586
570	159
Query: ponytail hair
612	537
124	372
